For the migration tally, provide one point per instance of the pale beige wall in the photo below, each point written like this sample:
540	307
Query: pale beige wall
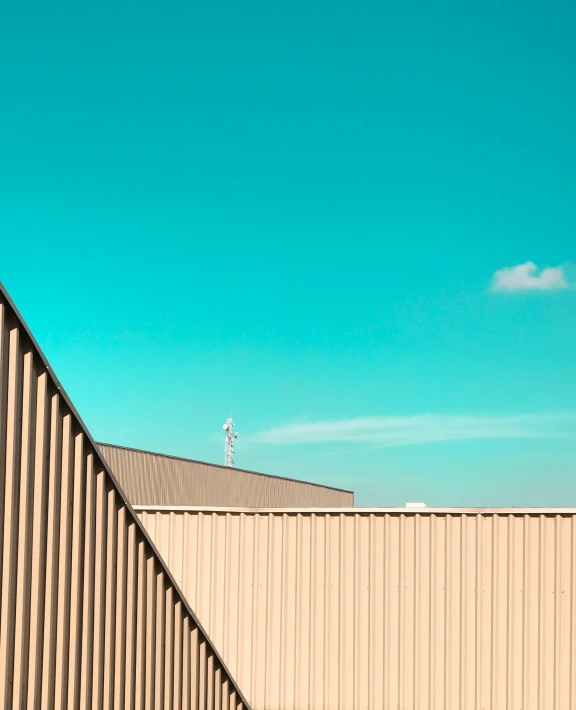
384	610
156	479
89	615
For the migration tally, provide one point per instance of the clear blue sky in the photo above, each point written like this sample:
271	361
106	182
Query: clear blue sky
294	212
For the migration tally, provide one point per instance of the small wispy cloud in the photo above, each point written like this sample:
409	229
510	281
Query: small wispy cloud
422	429
527	277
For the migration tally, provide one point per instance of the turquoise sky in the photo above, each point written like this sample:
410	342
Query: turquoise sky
295	212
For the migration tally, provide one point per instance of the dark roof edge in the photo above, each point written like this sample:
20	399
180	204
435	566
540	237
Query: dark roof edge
186	604
217	465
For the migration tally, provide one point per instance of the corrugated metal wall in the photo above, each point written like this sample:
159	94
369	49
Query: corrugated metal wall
155	479
417	611
89	615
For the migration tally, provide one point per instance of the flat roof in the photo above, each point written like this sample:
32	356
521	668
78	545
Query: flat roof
335	511
227	468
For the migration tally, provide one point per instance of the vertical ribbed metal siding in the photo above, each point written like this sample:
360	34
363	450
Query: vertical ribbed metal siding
89	616
155	479
384	610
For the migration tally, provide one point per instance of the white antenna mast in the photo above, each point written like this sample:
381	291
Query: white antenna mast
229	442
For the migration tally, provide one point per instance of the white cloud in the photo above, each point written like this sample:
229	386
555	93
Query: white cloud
525	277
422	429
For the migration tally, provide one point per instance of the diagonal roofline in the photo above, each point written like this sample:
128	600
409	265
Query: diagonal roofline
218	465
6	296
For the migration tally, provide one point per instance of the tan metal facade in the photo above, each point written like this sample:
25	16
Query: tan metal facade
155	479
367	609
89	615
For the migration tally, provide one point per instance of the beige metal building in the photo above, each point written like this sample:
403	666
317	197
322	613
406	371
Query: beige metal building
156	479
90	616
308	607
383	609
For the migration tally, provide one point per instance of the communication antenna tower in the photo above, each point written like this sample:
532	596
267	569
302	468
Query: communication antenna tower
229	442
